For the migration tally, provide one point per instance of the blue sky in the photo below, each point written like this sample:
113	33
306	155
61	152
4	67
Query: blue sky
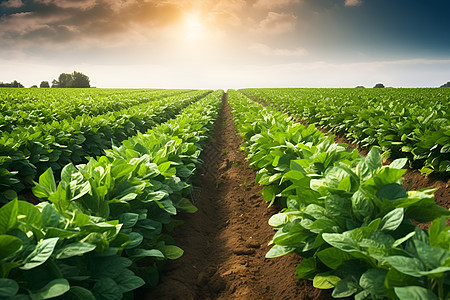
227	43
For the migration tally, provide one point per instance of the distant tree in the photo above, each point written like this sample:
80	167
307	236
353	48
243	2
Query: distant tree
74	80
446	84
79	80
65	80
44	84
55	83
378	86
14	84
33	86
360	87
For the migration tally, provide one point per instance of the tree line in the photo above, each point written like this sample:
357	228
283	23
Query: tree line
74	80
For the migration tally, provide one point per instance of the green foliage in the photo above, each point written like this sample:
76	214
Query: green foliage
411	123
105	216
348	216
29	151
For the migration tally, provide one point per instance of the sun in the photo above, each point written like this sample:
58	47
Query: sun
194	29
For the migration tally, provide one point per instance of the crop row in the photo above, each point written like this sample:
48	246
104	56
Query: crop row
47	105
412	123
103	231
348	216
29	151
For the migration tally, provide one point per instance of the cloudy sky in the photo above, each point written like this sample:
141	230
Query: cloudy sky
227	43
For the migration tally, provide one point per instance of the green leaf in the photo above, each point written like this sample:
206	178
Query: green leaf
362	206
8	288
307	269
30	214
54	288
346	287
398	163
432	257
414	293
392	191
8	216
277	251
41	253
333	257
9	245
128	219
128	282
406	265
184	205
392	220
107	288
79	293
47	180
172	252
164	166
74	249
369	164
278	220
373	281
325	281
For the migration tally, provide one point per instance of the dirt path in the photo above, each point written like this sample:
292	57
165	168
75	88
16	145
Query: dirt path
226	240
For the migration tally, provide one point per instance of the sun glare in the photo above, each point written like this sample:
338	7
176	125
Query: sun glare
193	27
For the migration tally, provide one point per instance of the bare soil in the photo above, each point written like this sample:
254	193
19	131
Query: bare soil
225	242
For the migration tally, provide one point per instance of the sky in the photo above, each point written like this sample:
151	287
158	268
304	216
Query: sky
227	43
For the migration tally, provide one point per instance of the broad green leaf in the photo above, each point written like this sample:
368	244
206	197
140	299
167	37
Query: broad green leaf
392	220
406	265
54	288
128	282
128	219
164	166
184	205
325	281
79	293
107	288
346	287
307	269
392	191
333	257
47	180
8	216
8	288
41	253
414	293
373	281
30	214
362	206
9	245
74	249
432	257
278	220
148	253
369	164
172	252
277	251
398	163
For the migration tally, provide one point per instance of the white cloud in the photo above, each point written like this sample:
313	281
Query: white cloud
353	2
271	4
12	3
266	50
277	23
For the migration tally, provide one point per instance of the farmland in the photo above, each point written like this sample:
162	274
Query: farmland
106	178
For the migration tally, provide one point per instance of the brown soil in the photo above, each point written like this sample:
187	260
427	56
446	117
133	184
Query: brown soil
226	240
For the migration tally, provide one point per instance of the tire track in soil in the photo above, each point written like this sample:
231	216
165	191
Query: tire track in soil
225	242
